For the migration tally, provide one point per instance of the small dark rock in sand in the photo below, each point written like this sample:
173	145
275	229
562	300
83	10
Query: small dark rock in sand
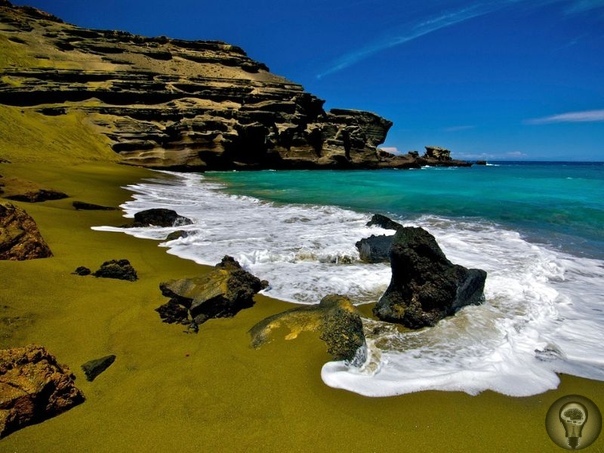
38	196
118	269
173	312
83	206
82	270
93	368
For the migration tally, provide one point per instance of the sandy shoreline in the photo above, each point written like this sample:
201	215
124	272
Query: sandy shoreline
168	391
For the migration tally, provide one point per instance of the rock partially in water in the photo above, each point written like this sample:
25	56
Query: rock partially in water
335	319
33	388
174	235
20	238
384	222
375	249
425	285
159	217
220	293
437	156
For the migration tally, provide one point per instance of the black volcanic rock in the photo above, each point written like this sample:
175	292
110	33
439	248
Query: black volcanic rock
84	206
221	293
94	367
374	249
118	269
159	217
82	271
384	222
37	196
425	285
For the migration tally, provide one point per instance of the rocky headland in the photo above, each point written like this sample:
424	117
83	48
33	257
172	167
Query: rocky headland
184	105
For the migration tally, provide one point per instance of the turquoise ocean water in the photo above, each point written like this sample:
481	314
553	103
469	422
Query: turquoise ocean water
536	228
561	204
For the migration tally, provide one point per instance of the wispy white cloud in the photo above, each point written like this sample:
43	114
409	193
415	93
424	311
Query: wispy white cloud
516	155
458	128
416	30
580	6
429	24
476	156
413	31
587	116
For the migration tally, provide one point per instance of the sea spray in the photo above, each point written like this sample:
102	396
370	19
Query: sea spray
541	314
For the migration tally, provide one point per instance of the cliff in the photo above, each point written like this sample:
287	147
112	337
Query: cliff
182	105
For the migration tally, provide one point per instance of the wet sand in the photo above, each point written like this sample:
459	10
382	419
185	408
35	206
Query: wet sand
171	391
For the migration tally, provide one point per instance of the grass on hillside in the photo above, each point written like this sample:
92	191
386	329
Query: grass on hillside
28	136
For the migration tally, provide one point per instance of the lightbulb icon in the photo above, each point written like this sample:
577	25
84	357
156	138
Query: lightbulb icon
573	417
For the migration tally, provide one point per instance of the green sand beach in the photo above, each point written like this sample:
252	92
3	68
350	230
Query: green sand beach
71	94
169	391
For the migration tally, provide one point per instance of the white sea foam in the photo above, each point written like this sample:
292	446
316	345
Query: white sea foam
542	313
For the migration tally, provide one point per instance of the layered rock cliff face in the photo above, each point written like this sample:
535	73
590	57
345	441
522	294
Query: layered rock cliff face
174	104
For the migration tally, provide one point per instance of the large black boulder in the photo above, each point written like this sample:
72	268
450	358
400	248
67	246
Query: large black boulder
425	285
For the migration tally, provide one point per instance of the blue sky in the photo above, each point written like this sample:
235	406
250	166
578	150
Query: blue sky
492	79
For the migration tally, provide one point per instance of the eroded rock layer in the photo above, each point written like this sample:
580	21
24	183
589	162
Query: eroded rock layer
186	105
